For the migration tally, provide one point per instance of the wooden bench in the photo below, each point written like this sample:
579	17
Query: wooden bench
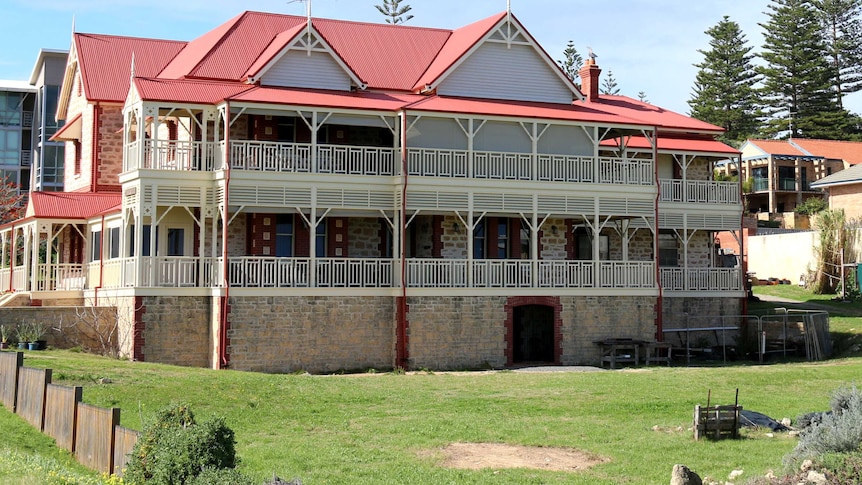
658	353
716	421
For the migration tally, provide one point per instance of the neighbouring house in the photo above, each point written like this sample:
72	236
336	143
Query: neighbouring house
782	171
844	191
48	156
17	99
288	193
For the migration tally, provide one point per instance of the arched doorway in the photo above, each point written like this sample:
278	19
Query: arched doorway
533	334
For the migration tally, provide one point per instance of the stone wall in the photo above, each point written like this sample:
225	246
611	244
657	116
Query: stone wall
456	332
454	239
110	156
315	334
64	327
363	237
553	246
175	329
699	312
470	332
700	248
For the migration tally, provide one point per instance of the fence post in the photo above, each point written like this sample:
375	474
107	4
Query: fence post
10	363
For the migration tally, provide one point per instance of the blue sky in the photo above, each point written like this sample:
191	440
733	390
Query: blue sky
649	45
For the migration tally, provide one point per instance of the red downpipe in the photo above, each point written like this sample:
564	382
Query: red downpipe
224	307
659	319
743	260
401	332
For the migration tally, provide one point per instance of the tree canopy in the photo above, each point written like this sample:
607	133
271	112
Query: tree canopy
724	91
394	12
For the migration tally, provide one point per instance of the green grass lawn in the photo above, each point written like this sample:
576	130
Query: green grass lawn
388	428
379	428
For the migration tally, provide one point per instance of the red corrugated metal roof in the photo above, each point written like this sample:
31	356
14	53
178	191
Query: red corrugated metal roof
526	109
384	56
461	41
105	62
188	91
651	115
71	205
849	151
329	99
698	145
194	52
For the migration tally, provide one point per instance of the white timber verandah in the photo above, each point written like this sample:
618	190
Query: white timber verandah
192	174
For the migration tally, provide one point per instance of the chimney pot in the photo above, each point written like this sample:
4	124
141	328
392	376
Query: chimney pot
589	73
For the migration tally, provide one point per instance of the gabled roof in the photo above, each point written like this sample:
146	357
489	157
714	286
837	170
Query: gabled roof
774	148
71	205
652	115
852	175
105	62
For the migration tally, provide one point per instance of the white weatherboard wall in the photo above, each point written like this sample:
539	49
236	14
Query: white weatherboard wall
784	256
497	72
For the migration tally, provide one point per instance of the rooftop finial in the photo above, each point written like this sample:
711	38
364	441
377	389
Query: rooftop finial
132	68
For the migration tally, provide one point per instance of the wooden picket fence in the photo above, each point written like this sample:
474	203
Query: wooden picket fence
91	433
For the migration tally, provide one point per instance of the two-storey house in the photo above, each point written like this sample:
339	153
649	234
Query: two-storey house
289	193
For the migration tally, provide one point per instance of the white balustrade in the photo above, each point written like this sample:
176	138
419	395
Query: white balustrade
436	273
565	168
502	273
699	191
701	279
626	274
59	277
626	171
259	272
430	162
502	165
170	155
354	273
296	158
565	274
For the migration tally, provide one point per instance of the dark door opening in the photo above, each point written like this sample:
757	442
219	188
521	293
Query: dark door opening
533	334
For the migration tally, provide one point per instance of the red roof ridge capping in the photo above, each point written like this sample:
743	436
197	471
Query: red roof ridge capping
71	205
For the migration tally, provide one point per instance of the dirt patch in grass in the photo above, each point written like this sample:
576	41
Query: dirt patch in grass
476	456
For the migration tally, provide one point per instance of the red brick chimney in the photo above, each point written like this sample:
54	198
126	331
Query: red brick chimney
589	73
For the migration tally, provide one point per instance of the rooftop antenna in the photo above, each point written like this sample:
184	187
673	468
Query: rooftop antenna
509	23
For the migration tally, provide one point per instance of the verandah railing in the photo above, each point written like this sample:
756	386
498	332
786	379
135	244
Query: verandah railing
385	161
699	191
700	279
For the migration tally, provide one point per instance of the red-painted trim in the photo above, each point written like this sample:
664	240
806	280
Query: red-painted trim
517	301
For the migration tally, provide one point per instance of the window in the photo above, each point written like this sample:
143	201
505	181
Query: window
176	241
77	146
286	129
10	147
525	234
114	241
584	246
284	235
96	246
145	245
320	240
479	239
667	250
502	238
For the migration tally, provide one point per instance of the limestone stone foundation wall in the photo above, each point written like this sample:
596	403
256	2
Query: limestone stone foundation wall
316	334
63	326
470	332
456	332
588	319
176	329
676	312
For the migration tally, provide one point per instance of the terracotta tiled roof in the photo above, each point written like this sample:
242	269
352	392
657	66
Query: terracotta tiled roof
71	205
106	61
849	151
778	147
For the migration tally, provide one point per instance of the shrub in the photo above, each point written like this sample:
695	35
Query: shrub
175	449
811	206
837	432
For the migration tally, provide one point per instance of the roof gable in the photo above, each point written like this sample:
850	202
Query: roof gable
474	44
848	151
766	148
71	205
300	57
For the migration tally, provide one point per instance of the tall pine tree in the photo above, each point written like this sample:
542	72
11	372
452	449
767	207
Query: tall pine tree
394	11
724	92
798	78
571	63
841	21
609	84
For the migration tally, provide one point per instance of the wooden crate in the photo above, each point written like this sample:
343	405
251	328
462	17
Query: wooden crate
716	421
